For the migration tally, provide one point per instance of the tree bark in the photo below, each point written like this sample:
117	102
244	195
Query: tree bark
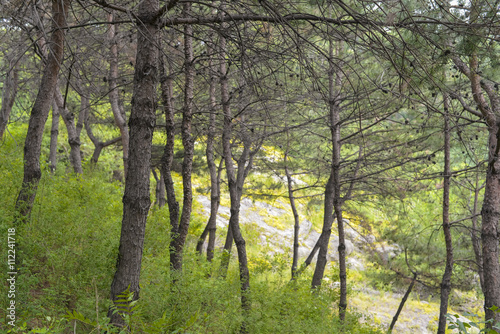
402	304
333	201
160	189
491	204
296	225
84	116
489	231
310	257
211	227
54	134
166	83
324	238
40	111
179	239
136	198
114	98
235	183
8	96
73	135
475	240
446	281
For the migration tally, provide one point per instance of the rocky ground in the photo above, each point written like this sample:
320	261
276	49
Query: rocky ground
379	307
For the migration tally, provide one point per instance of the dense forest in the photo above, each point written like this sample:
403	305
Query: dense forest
219	164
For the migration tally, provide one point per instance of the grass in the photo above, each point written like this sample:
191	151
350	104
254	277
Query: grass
68	252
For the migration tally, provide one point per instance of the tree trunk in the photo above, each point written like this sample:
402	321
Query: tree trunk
296	226
491	204
310	257
179	239
235	183
446	281
489	231
136	198
235	192
54	134
324	238
402	304
8	96
333	201
159	189
73	135
475	240
161	192
84	117
167	91
40	111
211	227
114	98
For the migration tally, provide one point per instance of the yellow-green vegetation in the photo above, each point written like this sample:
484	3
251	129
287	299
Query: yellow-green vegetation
67	256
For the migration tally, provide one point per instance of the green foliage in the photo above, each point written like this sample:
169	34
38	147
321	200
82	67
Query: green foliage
69	247
479	326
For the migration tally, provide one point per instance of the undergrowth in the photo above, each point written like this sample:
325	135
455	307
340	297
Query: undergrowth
66	257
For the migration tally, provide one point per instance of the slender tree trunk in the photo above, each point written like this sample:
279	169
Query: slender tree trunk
84	117
446	281
211	227
235	183
159	189
54	134
491	203
40	111
8	96
324	238
136	198
490	212
402	304
476	241
214	175
310	257
179	239
333	201
114	98
73	135
235	192
167	89
335	99
296	226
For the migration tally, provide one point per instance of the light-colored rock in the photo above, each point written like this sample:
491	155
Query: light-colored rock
355	264
370	238
388	252
305	228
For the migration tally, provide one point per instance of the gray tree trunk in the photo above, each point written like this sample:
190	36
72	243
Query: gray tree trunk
73	134
446	281
491	204
211	227
8	96
296	225
114	98
41	107
166	83
54	134
136	198
235	182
